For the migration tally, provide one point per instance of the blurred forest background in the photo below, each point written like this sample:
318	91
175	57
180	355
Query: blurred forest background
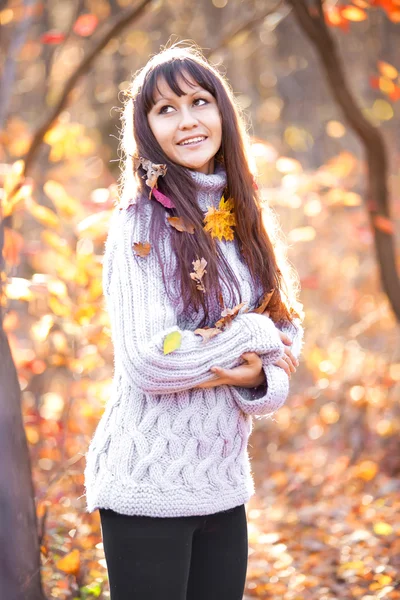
325	521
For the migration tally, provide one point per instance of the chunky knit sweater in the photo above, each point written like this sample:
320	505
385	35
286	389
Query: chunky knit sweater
163	447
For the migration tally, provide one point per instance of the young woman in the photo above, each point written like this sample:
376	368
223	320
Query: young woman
204	337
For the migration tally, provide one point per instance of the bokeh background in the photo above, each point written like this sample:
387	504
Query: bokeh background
324	523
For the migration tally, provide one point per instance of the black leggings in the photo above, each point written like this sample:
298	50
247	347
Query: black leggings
176	558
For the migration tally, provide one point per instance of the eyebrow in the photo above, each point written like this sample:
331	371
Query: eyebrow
197	89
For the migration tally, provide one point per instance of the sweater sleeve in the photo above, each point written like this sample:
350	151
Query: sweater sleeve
141	315
270	396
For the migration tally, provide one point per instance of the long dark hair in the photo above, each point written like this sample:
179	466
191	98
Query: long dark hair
254	242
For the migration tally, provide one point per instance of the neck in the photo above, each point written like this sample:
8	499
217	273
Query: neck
210	186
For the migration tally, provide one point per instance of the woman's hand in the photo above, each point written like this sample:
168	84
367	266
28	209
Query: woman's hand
246	375
288	362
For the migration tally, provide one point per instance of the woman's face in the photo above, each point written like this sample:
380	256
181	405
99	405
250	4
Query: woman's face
188	128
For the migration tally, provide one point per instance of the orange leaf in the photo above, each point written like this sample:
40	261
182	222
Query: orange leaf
383	224
228	314
264	303
395	94
179	224
208	332
353	13
141	248
70	563
85	25
13	244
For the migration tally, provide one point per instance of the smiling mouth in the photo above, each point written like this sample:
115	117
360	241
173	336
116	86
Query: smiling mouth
193	141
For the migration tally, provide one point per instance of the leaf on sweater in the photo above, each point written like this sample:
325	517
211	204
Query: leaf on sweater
153	171
228	314
141	248
179	224
219	221
264	303
208	332
172	341
199	268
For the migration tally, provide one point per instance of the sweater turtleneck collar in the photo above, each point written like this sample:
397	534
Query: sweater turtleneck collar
210	187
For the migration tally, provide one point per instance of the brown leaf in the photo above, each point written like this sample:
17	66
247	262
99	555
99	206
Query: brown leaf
179	224
208	332
153	171
141	248
264	303
228	314
199	269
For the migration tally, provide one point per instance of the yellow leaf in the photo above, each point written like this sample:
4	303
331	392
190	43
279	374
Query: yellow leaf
44	215
367	470
387	69
172	341
65	204
219	221
353	13
70	563
382	528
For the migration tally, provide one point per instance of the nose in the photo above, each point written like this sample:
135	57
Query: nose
188	120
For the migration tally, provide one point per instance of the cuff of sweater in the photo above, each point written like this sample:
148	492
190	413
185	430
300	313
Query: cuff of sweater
274	392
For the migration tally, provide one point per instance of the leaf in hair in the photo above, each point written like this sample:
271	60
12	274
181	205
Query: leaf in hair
162	198
199	269
264	303
208	332
219	221
228	314
141	248
179	224
153	171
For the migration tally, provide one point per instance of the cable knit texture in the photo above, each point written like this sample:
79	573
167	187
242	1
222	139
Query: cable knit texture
163	447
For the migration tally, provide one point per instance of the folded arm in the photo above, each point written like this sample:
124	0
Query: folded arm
141	315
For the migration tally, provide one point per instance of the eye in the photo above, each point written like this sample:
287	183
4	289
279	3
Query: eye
163	109
200	100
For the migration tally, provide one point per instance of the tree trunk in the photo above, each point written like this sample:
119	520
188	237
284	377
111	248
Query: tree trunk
19	542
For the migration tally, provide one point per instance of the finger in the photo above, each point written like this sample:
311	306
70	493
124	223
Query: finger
283	364
285	338
289	363
211	382
292	357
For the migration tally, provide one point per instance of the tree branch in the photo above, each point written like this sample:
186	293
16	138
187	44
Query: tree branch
255	20
117	25
377	201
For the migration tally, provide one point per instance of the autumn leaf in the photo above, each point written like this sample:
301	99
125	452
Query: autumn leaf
383	224
153	171
208	333
142	248
228	314
172	341
199	269
70	563
387	69
44	215
264	303
382	528
179	224
353	13
85	25
52	37
219	221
